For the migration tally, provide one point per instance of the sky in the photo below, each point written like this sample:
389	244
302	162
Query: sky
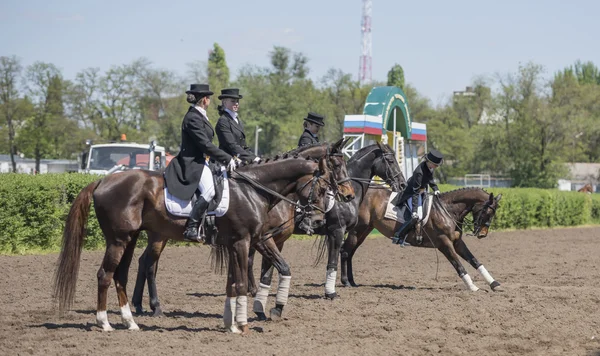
442	45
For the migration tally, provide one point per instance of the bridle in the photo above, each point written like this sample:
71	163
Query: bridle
477	224
334	181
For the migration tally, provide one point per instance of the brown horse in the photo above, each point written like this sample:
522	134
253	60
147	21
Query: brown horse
443	230
148	261
373	160
586	189
133	201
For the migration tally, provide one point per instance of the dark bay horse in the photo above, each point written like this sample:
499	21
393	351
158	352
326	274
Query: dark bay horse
374	160
148	261
133	201
443	230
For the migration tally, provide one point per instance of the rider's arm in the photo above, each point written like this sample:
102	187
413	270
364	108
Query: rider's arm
196	128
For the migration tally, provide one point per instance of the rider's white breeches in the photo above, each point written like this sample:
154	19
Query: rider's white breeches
207	185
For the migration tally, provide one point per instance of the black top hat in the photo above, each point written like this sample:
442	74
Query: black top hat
315	118
201	89
435	157
233	93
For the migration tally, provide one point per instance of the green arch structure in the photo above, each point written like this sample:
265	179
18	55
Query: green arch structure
382	101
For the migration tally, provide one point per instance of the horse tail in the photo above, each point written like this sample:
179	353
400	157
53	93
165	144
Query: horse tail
322	241
65	277
219	258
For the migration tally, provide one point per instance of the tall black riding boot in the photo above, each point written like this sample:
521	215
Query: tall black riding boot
193	222
399	236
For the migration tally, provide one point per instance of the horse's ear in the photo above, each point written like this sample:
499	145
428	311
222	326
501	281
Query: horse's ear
346	140
498	197
379	145
491	197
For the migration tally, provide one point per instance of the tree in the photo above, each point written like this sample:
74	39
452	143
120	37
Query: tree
44	85
10	70
395	76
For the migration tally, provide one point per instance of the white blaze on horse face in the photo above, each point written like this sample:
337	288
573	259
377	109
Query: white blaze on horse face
102	320
127	318
485	274
469	283
241	310
260	301
283	290
330	281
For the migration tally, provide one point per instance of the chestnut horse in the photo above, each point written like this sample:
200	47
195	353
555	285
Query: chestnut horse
443	230
374	160
586	189
133	201
148	261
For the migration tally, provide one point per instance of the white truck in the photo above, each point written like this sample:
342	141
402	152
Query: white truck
108	158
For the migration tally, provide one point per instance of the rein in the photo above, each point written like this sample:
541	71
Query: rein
270	191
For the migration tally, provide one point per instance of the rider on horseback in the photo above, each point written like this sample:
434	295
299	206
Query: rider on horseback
312	124
189	170
417	183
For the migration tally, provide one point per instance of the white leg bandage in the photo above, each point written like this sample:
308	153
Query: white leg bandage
469	283
330	281
229	315
486	275
127	318
260	301
283	290
102	321
241	310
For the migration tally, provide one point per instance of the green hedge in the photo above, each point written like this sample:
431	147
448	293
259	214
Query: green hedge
33	210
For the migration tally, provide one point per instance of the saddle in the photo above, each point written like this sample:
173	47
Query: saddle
217	207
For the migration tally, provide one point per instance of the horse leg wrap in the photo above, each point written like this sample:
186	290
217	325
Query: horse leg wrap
241	310
260	301
229	316
283	290
469	283
330	280
127	318
102	320
485	274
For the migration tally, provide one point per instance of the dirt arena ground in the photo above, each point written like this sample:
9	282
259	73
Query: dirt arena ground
549	306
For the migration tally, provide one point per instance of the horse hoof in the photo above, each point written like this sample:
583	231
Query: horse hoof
139	310
331	296
261	316
275	314
158	312
353	284
252	292
106	327
245	330
495	286
233	329
346	284
131	325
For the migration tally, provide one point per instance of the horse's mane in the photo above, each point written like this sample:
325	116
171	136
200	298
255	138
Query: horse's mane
363	152
293	153
452	193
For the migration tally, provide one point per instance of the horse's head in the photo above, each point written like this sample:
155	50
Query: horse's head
312	192
483	215
339	174
386	167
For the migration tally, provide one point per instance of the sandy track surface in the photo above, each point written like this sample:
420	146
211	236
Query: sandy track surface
549	306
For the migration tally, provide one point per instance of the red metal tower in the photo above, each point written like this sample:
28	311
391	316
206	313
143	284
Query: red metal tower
364	68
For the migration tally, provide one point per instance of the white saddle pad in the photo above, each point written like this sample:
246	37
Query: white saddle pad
394	213
182	208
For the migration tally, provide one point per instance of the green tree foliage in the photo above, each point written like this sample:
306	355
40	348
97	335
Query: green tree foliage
395	76
10	114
